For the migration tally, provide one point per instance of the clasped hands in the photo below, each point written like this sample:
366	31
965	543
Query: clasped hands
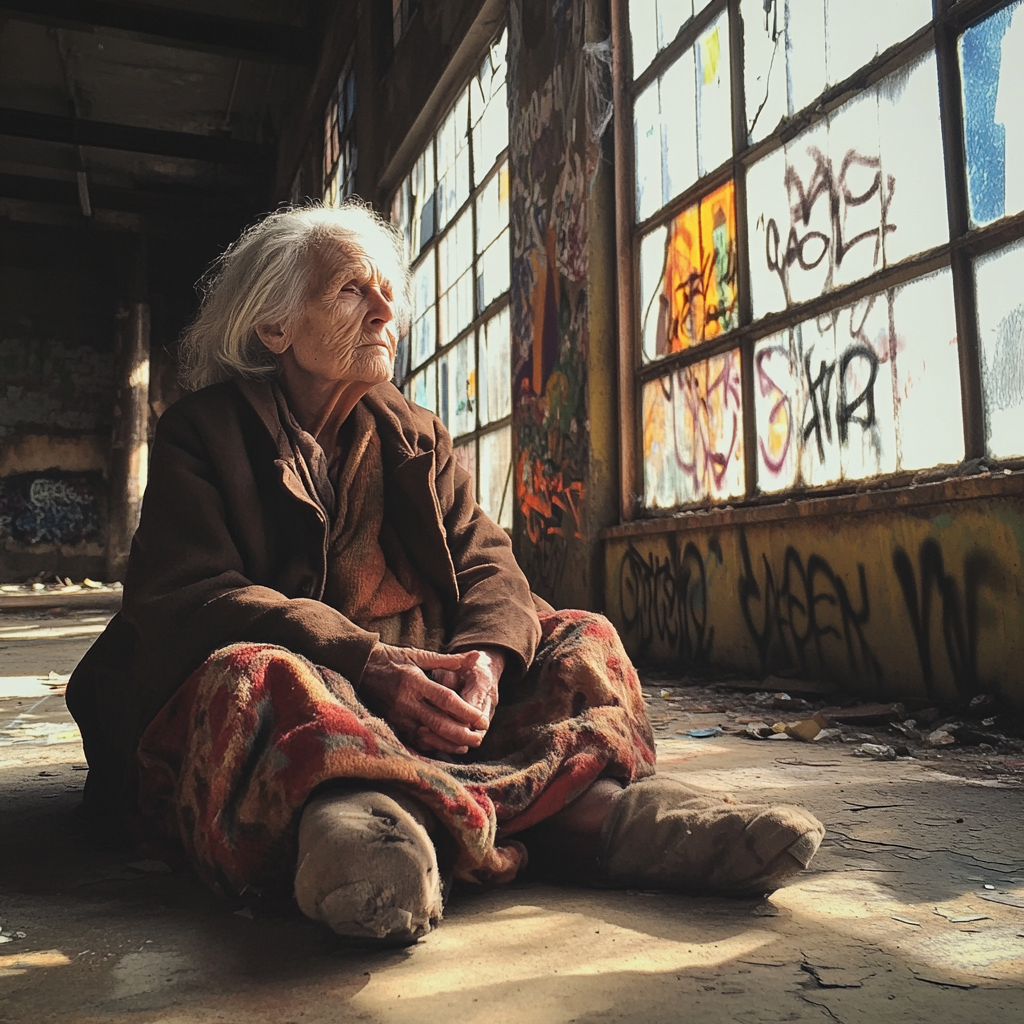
441	702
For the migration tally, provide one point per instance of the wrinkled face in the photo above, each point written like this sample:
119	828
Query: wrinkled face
346	329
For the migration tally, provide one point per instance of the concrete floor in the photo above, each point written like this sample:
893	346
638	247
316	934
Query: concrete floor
897	921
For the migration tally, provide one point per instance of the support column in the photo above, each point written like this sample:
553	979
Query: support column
564	416
129	449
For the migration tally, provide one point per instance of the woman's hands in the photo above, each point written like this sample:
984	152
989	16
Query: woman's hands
424	713
450	712
477	679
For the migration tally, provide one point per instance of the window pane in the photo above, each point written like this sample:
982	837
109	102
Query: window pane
794	49
488	100
647	135
422	334
864	188
492	234
693	433
859	32
453	161
496	476
871	388
714	96
495	373
695	287
422	388
455	263
458	388
1001	326
653	24
416	206
682	122
992	72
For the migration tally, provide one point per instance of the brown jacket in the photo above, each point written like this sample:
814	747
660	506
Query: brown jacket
232	546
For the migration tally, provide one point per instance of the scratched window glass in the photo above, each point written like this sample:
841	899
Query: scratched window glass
457	386
423	330
455	278
421	388
693	433
492	233
495	495
998	278
495	376
453	161
795	49
488	108
862	189
871	388
682	121
688	277
992	77
413	206
653	24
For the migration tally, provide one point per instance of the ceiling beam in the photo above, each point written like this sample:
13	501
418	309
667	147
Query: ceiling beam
232	37
178	202
27	124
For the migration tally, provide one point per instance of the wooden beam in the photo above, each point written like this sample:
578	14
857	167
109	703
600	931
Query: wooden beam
27	124
232	37
177	202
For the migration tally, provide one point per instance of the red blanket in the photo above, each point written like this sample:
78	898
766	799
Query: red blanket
232	758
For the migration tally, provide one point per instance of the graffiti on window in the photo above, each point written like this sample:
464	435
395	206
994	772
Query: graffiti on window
863	189
688	276
693	433
870	388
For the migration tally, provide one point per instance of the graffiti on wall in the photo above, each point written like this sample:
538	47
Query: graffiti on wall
52	508
921	614
666	599
553	161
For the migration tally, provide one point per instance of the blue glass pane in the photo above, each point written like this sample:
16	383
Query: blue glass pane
991	53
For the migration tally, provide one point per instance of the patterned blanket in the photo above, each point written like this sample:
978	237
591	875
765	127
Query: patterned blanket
229	763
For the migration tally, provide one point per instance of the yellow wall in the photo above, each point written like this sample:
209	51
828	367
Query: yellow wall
924	601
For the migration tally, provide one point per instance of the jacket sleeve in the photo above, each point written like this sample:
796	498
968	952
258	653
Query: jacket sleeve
495	605
187	591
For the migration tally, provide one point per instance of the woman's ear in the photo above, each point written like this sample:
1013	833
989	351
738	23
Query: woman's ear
274	337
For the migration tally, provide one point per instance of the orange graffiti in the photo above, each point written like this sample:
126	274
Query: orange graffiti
698	299
540	494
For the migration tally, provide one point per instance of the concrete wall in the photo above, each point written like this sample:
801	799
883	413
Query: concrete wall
914	593
563	316
56	399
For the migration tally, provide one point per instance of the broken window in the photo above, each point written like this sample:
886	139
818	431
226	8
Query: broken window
453	209
340	141
801	267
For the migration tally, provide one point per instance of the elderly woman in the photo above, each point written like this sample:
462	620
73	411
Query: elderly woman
329	675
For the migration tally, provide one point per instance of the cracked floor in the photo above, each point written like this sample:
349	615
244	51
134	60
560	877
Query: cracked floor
913	909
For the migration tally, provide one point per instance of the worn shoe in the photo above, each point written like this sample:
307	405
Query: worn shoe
663	834
367	867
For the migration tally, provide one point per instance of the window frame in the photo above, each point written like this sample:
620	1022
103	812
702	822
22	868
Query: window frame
430	249
950	18
343	135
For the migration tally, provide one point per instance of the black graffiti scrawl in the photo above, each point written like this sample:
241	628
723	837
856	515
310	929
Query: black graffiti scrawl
791	617
959	615
666	600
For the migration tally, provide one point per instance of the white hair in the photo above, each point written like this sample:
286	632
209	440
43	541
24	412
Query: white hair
266	276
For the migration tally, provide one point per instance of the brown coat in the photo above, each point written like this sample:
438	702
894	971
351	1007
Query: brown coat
233	547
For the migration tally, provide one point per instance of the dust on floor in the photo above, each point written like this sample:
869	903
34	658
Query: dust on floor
913	909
